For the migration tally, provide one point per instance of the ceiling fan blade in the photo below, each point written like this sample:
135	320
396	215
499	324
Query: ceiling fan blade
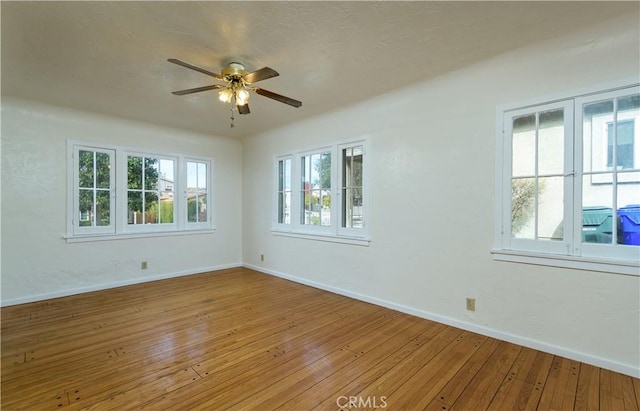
197	89
278	97
201	70
243	109
259	75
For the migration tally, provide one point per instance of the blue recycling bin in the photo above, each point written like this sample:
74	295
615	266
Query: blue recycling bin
630	224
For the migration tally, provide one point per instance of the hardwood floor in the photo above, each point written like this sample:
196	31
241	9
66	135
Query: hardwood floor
238	339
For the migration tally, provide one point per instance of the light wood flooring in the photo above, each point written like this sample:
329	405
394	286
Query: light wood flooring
238	339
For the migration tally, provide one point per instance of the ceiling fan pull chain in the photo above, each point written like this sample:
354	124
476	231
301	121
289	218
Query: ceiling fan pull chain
232	118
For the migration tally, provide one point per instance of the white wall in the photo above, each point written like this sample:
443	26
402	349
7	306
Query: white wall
433	204
38	263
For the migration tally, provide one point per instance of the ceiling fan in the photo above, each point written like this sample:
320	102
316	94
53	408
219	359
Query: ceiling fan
237	84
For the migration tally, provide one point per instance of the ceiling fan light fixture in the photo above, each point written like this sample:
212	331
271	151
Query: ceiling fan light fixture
242	97
225	95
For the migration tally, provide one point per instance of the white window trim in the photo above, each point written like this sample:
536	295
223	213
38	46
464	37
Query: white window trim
348	231
615	264
122	230
296	194
122	227
276	224
73	206
335	232
182	206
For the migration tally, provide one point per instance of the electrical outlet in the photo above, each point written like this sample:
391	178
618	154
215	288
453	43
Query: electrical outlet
261	257
143	265
471	304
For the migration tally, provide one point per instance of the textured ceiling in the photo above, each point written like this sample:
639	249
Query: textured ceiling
110	57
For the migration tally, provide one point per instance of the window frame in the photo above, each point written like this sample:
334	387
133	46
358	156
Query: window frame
124	192
617	259
73	225
521	244
334	232
297	210
282	225
119	227
352	231
183	206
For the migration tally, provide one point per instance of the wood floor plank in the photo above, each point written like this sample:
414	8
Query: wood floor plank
393	379
588	389
561	386
238	339
423	386
373	374
457	384
306	378
330	389
480	391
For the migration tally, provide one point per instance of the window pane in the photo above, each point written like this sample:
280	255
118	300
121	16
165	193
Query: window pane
287	174
281	172
325	208
134	201
85	168
628	140
151	214
85	218
353	208
316	171
202	175
325	173
103	170
629	210
524	146
103	198
357	166
523	193
196	192
165	175
202	206
597	206
286	208
166	208
192	208
597	116
151	173
192	192
134	172
624	150
551	142
550	208
316	184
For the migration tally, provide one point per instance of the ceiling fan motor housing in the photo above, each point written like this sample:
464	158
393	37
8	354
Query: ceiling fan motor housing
234	71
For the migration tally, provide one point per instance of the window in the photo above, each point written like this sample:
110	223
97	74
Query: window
284	191
197	193
560	193
150	197
315	194
330	195
116	191
351	188
93	190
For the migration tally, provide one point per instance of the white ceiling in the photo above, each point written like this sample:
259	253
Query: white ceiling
111	57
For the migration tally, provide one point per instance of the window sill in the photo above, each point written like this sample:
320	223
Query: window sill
324	237
566	261
127	236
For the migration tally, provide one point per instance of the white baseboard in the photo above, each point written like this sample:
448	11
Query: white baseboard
622	368
104	286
